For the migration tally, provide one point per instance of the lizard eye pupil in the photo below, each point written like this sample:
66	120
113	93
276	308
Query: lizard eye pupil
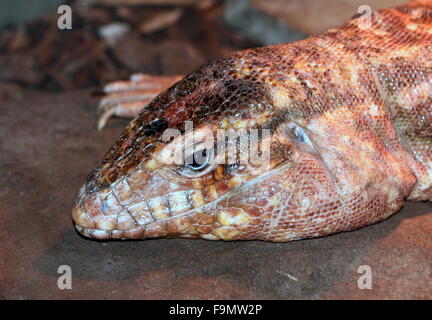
198	161
195	165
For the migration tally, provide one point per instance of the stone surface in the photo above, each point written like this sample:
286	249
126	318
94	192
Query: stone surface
48	144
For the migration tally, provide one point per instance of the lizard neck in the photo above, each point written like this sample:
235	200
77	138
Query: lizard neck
397	50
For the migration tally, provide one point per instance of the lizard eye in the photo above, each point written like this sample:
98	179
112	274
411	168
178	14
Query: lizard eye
198	163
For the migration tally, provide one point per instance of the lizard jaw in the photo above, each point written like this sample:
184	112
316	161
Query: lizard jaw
110	214
189	215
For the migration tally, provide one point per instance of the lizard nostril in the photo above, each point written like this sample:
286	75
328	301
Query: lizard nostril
92	186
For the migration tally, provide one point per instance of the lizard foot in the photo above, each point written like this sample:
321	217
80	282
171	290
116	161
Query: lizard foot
127	98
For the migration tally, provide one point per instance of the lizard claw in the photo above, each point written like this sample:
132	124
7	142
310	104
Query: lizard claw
128	98
105	111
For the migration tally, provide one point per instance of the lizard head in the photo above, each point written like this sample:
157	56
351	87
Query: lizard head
243	148
201	160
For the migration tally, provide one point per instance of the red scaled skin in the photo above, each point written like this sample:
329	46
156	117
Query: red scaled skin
350	116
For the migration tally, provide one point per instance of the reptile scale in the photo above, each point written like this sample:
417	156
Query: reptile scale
349	116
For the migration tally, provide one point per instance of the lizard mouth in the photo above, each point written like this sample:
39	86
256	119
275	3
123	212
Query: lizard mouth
189	213
93	233
108	214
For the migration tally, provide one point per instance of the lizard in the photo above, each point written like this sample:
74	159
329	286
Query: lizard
347	115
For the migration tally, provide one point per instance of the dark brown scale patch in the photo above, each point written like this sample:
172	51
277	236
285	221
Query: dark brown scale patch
399	73
234	97
124	155
425	16
422	118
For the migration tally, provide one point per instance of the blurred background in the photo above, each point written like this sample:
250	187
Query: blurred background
111	39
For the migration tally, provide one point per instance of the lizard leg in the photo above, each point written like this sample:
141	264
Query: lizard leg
127	98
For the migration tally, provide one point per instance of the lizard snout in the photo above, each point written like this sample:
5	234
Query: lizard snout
88	220
101	215
128	209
